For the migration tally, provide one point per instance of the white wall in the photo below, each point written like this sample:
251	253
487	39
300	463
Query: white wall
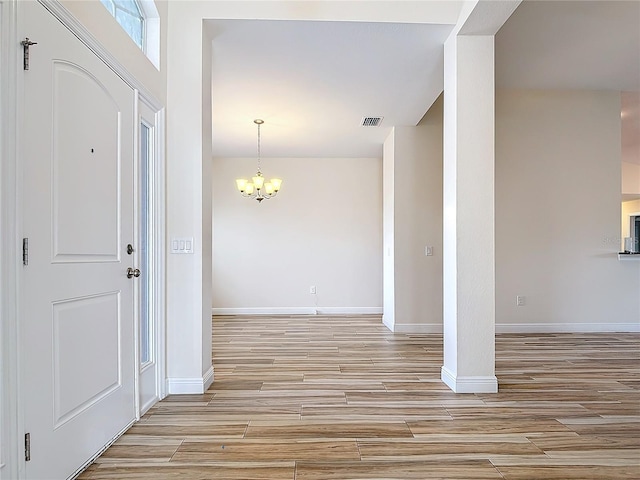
413	196
324	229
558	174
188	201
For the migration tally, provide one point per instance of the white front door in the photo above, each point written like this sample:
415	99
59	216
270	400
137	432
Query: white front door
76	327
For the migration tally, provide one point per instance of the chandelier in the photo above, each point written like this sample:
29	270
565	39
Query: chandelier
257	188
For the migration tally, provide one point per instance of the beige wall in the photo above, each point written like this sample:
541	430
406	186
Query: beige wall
558	175
630	178
324	229
413	221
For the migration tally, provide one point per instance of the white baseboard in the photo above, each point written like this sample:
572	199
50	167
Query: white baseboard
195	385
474	384
207	380
144	408
265	311
298	311
434	328
567	327
388	323
418	328
349	310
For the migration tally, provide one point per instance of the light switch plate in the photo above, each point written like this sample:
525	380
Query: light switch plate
181	245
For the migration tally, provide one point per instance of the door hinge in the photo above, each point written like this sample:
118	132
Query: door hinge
25	251
27	447
26	43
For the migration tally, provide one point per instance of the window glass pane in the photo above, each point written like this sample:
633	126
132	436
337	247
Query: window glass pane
129	6
132	25
128	14
109	6
145	316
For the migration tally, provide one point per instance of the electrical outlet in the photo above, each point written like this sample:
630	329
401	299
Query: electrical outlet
312	290
520	300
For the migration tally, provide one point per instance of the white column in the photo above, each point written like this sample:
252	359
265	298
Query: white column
189	365
388	232
469	256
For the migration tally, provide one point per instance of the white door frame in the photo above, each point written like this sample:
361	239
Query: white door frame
156	294
10	423
12	464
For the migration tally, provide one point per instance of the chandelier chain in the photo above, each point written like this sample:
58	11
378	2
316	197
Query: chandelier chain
258	147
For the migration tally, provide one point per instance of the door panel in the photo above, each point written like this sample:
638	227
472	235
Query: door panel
96	320
80	157
77	350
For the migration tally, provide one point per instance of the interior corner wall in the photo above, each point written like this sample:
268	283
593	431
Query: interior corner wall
413	221
558	192
207	210
418	224
324	229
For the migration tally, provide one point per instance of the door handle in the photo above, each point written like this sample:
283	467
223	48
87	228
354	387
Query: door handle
133	272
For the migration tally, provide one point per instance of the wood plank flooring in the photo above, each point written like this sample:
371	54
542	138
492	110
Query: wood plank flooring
328	398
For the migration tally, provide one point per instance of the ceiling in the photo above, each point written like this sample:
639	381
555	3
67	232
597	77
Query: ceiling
591	45
313	81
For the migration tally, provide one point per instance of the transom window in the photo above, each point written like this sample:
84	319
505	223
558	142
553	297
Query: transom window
129	15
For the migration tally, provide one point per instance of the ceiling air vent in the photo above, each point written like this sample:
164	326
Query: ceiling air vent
371	121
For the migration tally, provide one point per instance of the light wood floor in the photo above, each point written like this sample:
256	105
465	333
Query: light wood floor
326	398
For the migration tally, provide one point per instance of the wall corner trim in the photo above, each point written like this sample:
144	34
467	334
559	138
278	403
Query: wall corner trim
193	385
471	384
